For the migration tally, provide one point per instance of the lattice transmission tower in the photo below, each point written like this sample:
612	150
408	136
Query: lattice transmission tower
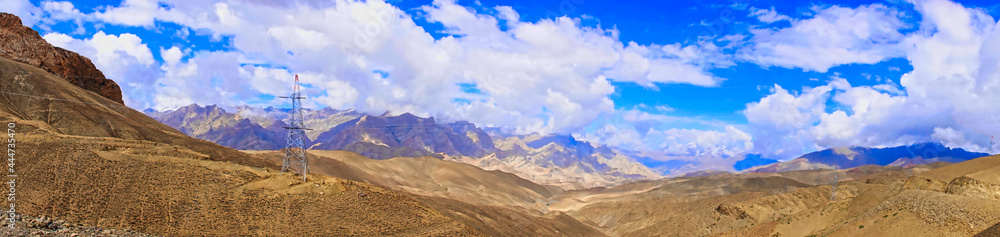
833	192
295	151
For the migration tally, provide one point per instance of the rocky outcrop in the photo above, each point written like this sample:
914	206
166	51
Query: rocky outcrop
923	183
970	187
45	226
729	209
406	135
22	44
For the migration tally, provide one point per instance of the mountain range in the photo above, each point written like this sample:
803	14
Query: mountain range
850	157
559	160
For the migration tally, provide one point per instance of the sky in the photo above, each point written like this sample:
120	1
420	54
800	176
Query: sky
710	81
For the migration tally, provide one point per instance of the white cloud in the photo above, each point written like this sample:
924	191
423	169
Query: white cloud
123	58
952	138
28	12
171	56
669	64
784	109
664	108
944	99
781	121
552	75
768	15
954	68
108	47
508	13
730	143
59	40
889	88
718	146
61	11
132	13
833	36
614	136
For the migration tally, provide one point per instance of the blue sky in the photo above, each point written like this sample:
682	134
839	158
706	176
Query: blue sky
708	80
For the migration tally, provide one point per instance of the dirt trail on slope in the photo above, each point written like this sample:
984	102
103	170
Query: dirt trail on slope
133	188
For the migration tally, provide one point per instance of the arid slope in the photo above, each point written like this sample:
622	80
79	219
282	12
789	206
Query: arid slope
430	176
86	159
869	201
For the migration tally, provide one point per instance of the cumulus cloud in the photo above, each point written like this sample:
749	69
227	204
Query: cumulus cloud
672	63
833	36
553	75
955	68
123	58
781	120
717	146
29	13
944	99
728	143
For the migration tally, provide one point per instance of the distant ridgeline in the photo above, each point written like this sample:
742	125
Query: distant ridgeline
850	157
916	154
752	160
553	159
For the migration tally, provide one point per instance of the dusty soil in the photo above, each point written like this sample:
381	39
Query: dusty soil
430	176
491	202
133	188
882	203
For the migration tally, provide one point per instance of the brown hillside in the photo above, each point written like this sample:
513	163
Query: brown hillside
59	107
877	204
153	188
949	172
431	177
141	175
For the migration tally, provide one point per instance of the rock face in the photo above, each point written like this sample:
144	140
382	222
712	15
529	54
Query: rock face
558	160
406	135
22	44
247	128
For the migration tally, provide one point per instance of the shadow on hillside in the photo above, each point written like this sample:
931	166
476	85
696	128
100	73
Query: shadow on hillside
990	232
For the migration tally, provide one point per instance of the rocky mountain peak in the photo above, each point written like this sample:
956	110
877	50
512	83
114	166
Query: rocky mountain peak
22	44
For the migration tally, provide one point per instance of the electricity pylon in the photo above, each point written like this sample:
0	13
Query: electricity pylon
295	149
991	145
833	194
